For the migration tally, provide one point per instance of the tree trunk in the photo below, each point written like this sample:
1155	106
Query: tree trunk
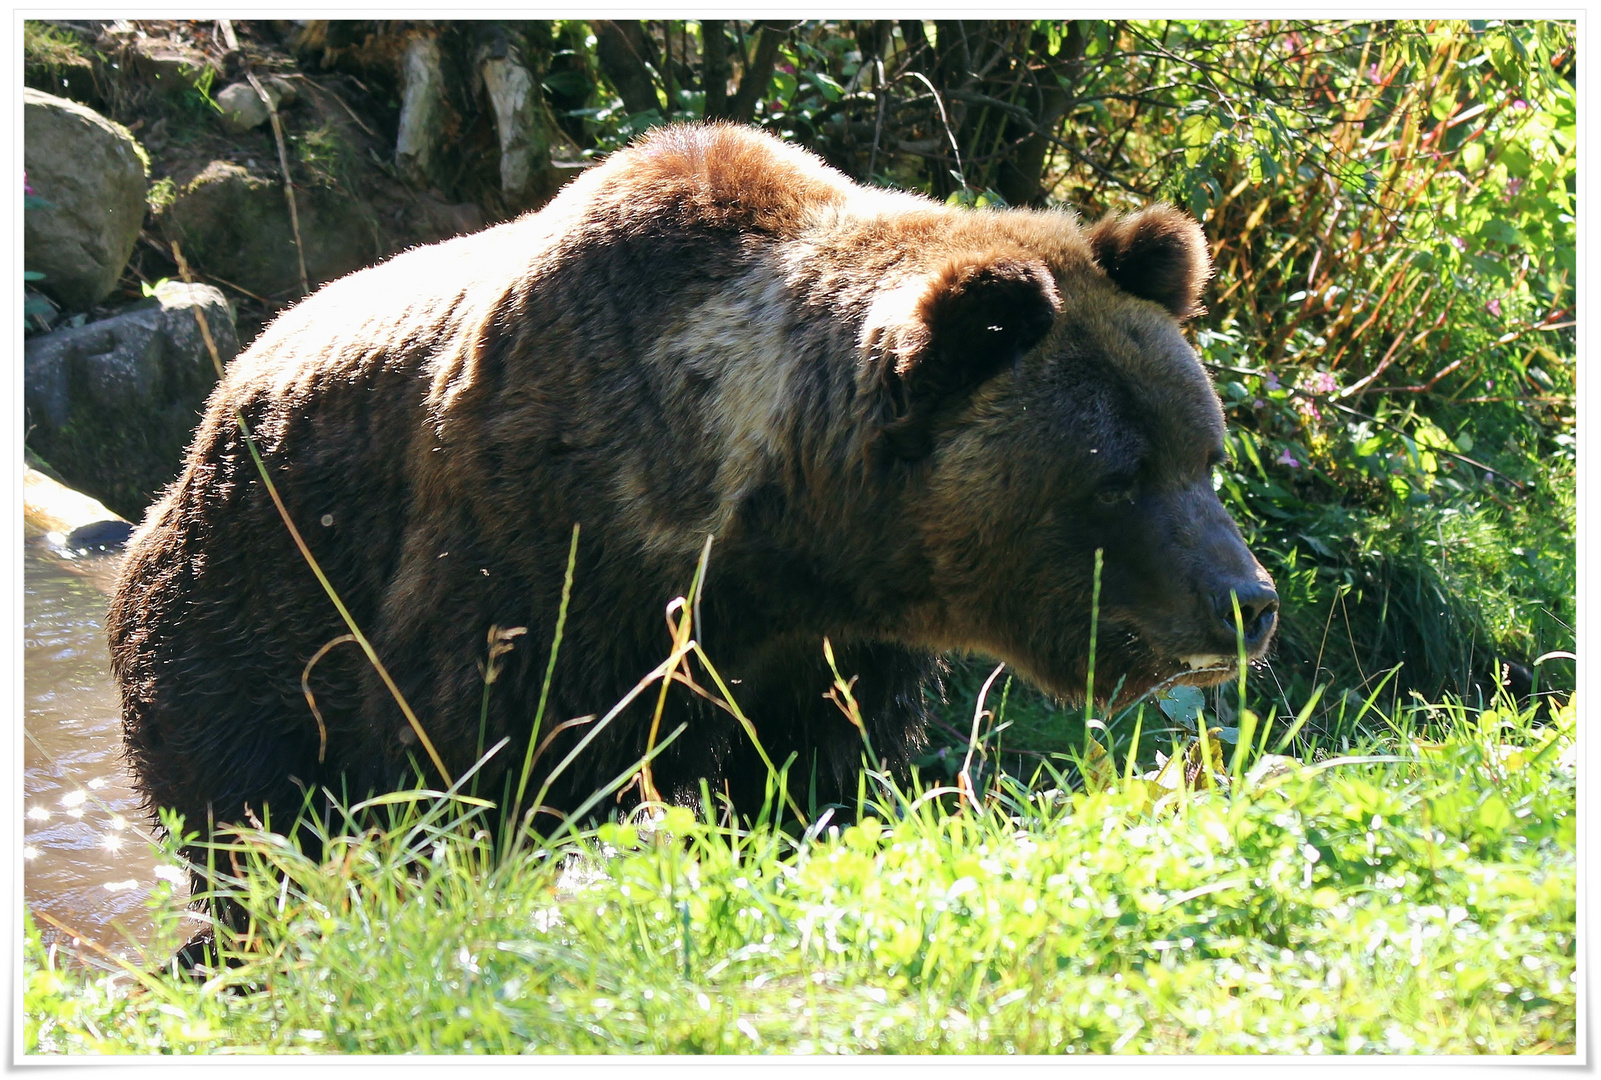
422	109
916	39
758	77
622	50
714	68
1020	178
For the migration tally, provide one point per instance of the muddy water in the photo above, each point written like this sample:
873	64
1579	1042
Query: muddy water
86	851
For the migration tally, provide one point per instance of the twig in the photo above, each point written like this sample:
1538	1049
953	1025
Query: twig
1389	354
76	935
305	551
1438	450
343	104
153	242
305	688
961	173
878	126
1423	388
283	153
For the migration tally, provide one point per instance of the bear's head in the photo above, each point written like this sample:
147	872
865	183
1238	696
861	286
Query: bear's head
1044	405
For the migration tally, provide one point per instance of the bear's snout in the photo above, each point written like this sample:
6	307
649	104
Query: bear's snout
1259	606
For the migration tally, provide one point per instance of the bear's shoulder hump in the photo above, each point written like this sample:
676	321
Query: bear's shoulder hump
721	176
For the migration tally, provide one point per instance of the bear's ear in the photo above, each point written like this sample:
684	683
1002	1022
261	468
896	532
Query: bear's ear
942	335
1157	254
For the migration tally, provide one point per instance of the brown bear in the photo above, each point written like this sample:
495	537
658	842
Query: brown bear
908	426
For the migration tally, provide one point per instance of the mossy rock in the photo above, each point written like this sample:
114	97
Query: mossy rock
90	173
233	225
112	404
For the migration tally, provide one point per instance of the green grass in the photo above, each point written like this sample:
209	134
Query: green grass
1408	897
51	48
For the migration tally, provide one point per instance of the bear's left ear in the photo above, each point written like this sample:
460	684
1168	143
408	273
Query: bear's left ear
942	335
1158	254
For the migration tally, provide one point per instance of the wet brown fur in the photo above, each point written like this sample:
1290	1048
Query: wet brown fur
900	420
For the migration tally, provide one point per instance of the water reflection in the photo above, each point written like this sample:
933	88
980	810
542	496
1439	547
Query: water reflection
86	855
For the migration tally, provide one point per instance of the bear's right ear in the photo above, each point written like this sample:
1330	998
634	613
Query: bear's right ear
939	337
1157	254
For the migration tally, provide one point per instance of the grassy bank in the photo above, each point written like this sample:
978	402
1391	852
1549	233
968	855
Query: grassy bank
1416	895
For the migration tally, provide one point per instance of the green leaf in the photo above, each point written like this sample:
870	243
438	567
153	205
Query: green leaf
567	84
831	90
1501	232
1493	816
782	87
1181	704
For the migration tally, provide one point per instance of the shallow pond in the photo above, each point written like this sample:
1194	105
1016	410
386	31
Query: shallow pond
87	861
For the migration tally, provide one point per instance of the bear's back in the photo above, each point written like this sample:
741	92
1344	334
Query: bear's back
713	178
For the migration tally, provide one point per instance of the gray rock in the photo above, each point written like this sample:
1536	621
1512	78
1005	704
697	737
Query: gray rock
111	405
92	173
243	109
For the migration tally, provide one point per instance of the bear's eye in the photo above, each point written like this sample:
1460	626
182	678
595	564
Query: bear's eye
1115	494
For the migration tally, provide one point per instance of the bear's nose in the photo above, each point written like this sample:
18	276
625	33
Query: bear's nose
1259	605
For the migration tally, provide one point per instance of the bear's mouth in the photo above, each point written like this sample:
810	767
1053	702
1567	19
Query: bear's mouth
1203	670
1132	666
1206	661
1199	669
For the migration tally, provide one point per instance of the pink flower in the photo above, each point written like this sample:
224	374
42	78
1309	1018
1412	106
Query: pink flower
1287	458
1519	103
1494	307
1322	383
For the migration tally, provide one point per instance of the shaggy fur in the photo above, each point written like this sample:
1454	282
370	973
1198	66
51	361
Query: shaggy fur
908	426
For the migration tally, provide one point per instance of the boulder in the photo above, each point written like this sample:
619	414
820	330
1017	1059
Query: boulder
233	224
92	173
243	109
111	405
169	65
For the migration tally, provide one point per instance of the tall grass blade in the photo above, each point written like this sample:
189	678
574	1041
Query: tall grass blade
965	777
550	671
1095	617
681	631
570	823
750	728
305	551
1300	719
601	724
